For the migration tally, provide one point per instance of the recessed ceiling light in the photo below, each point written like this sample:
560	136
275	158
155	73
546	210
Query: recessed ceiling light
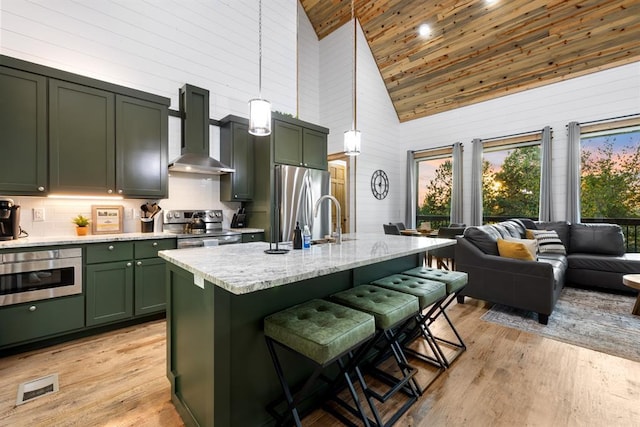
424	30
490	2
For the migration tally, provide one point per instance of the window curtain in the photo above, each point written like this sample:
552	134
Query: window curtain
544	212
456	215
573	173
476	183
410	205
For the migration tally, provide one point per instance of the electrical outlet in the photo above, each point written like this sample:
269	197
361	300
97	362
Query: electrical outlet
38	214
129	214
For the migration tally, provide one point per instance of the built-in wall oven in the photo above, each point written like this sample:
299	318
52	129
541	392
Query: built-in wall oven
37	275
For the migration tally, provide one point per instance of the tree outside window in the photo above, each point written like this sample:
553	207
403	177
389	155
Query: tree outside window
610	175
511	182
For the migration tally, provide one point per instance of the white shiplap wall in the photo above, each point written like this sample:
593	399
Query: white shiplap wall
308	70
157	47
601	95
377	120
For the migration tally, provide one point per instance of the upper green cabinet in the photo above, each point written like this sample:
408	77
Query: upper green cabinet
237	151
141	148
81	139
23	125
68	134
299	145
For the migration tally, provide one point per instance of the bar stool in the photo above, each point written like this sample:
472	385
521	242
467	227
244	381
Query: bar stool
454	281
429	292
323	332
391	309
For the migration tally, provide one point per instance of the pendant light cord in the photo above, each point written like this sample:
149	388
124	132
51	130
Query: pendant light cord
355	47
260	49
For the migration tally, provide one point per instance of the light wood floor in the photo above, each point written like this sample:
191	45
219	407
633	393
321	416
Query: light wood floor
505	378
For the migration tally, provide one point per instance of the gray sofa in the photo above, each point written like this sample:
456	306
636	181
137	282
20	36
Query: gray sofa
595	257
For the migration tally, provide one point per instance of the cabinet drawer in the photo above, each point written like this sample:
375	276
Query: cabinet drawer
108	252
150	248
41	318
252	237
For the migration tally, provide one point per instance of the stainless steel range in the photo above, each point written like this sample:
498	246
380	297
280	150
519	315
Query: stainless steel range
198	228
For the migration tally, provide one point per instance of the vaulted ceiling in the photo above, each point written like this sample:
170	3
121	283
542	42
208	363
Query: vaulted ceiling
479	50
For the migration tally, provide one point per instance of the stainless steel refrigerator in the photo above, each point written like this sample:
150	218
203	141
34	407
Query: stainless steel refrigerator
297	190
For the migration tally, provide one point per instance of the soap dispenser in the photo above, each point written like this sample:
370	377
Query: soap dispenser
297	237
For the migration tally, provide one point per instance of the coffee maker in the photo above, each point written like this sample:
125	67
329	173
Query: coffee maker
9	220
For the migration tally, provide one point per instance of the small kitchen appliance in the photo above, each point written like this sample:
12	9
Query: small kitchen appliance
9	220
198	228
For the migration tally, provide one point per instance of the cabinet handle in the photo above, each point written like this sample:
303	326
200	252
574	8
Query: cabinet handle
139	263
129	264
109	191
33	308
235	196
111	247
154	244
40	188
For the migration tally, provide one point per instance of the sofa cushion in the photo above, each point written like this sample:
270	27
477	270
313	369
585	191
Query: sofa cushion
625	264
523	249
484	237
548	241
560	227
606	239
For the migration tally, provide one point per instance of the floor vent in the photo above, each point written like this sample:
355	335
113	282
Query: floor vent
33	389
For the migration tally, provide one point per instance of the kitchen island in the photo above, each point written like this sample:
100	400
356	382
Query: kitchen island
217	297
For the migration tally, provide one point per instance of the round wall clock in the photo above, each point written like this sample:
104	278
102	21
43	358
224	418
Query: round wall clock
379	184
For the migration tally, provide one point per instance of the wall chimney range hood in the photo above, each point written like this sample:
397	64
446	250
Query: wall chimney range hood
194	114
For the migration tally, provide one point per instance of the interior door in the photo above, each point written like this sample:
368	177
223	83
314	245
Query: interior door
338	190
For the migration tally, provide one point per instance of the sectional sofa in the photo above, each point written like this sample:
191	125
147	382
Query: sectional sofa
594	256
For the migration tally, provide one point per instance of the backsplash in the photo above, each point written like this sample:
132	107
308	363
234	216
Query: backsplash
185	192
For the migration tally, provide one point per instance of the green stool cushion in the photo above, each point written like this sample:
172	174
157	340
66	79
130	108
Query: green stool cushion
387	306
427	291
320	330
455	280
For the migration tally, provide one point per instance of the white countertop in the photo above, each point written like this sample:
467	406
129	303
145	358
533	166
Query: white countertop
246	268
78	240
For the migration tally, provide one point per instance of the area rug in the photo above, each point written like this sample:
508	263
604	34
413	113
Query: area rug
595	320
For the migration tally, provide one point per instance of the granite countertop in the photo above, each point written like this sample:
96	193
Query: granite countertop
246	268
78	240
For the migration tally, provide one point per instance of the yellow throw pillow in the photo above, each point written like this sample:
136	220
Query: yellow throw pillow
516	249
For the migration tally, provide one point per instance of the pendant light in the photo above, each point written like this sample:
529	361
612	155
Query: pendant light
352	137
259	109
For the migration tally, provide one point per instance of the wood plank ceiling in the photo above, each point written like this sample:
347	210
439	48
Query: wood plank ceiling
479	51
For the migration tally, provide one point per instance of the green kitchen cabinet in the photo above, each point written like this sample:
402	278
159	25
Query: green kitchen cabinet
150	281
298	145
141	148
109	282
23	123
314	149
81	139
236	151
287	143
23	323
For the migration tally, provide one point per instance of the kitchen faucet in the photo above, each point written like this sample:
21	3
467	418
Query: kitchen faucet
338	216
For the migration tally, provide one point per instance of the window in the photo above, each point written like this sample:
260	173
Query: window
435	177
511	177
610	173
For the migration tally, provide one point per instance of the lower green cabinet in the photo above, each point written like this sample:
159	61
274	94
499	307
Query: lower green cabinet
30	321
131	284
150	287
109	292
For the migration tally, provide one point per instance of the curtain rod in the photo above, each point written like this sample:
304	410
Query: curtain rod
433	148
512	135
628	116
